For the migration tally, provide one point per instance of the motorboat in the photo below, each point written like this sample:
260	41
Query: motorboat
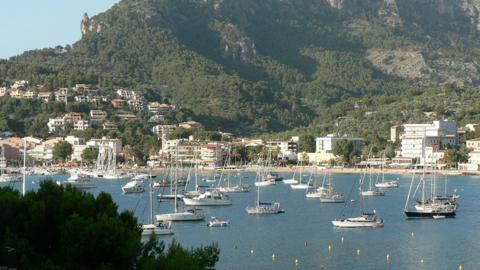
290	181
387	184
300	186
159	228
141	177
134	186
210	198
80	181
265	182
332	198
216	222
366	220
373	192
235	189
263	208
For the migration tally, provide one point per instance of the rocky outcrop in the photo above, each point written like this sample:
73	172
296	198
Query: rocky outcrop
236	45
89	25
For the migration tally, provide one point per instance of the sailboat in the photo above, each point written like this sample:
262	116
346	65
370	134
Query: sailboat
365	220
316	191
371	191
7	177
230	188
429	205
293	180
329	195
190	214
107	163
159	228
386	183
263	208
266	177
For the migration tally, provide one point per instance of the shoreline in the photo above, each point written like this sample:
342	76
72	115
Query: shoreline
328	170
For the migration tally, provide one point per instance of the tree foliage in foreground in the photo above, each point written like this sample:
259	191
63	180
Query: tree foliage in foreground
64	228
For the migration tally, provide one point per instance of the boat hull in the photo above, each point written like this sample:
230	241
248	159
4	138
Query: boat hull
290	181
300	186
416	214
352	224
181	216
206	202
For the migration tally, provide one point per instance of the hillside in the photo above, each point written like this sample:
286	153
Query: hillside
253	67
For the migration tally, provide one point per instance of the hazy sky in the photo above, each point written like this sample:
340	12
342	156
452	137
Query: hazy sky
34	24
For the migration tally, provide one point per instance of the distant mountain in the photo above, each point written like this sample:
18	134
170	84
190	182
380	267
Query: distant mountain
254	66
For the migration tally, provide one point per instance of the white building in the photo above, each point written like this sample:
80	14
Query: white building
81	125
426	142
55	124
286	149
97	116
115	143
324	146
163	131
473	156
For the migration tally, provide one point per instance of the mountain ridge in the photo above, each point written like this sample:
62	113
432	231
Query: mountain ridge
266	66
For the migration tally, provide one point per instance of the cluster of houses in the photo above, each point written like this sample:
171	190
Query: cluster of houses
41	151
419	143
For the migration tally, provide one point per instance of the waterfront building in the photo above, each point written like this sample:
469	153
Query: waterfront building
473	163
426	142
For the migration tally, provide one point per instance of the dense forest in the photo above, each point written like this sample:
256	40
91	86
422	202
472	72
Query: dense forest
257	67
65	228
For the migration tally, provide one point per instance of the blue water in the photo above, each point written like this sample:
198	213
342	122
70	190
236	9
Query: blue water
304	231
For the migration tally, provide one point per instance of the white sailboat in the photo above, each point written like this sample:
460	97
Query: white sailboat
228	188
386	183
429	205
371	191
329	195
190	214
292	180
365	220
263	208
316	191
159	228
107	163
266	177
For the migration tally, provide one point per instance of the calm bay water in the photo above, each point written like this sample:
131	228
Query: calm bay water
304	231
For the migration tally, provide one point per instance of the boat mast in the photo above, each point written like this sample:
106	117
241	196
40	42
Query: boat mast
176	178
409	191
24	165
151	195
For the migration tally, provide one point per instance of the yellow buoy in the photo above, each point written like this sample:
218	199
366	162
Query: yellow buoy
296	262
322	266
388	257
329	247
413	234
460	267
422	261
274	257
358	252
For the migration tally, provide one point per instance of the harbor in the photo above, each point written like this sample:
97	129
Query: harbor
303	237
